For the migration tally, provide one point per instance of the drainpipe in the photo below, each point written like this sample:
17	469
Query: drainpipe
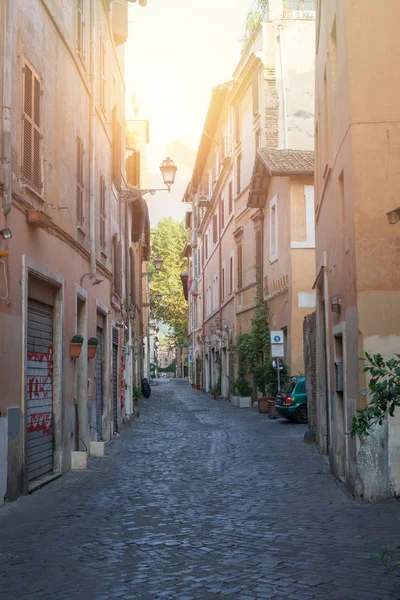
283	80
92	137
6	116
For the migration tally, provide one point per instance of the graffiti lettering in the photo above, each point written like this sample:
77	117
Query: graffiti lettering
40	422
40	387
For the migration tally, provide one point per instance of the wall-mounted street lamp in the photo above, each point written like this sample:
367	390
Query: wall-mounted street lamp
168	170
5	234
158	263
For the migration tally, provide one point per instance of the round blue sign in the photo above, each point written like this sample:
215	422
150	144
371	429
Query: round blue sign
277	338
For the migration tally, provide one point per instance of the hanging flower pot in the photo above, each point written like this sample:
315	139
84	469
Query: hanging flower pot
92	347
75	346
198	386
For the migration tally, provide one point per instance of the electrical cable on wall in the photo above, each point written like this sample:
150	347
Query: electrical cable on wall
6	281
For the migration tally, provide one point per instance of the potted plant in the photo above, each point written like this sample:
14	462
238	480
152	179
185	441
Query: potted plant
75	346
244	393
262	381
136	394
216	390
92	347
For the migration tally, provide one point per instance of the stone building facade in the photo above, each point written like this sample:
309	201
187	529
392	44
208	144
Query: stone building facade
68	270
268	106
357	232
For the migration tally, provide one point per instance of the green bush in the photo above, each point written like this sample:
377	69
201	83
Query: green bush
93	341
77	339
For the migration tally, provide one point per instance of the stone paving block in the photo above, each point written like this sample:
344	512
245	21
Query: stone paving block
200	501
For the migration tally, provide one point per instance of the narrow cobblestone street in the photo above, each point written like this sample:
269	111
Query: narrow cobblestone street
202	500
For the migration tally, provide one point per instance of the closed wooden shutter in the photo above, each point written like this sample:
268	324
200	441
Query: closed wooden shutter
116	149
133	169
102	213
103	80
32	135
237	123
230	197
259	253
215	229
79	181
222	204
256	101
238	174
223	284
231	275
80	42
133	275
240	266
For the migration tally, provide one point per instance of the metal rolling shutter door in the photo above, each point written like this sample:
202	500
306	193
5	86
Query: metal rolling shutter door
39	389
115	376
99	383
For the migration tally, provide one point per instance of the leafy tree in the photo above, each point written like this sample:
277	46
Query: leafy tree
384	389
168	240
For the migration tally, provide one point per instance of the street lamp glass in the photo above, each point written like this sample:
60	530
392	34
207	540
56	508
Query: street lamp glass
5	233
158	263
168	170
158	296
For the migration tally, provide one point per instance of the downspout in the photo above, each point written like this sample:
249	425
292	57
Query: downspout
6	115
92	137
283	80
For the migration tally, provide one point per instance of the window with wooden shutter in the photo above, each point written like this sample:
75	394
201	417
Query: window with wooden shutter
32	133
133	275
259	254
223	284
116	149
102	232
199	261
231	274
215	229
237	123
256	94
79	182
222	204
103	81
230	197
206	245
117	260
240	266
133	169
238	174
80	42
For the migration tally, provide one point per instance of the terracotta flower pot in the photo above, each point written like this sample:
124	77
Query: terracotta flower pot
263	405
198	386
92	351
193	385
74	349
216	395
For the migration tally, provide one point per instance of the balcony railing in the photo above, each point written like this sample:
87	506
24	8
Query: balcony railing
299	9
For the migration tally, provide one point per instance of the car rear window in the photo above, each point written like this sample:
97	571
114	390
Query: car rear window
301	387
288	387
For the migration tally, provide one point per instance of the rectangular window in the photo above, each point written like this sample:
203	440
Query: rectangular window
240	266
79	182
198	261
206	245
32	130
80	42
231	274
215	229
223	284
238	174
237	123
259	254
102	75
230	197
222	205
256	94
273	233
102	213
116	149
133	276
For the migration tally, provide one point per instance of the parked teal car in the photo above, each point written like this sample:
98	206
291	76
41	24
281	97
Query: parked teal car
291	402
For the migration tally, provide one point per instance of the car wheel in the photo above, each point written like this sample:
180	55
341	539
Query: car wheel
302	414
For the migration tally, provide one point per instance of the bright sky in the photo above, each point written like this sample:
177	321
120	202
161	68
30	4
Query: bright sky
176	52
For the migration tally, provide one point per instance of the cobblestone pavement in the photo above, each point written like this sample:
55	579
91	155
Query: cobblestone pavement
202	500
